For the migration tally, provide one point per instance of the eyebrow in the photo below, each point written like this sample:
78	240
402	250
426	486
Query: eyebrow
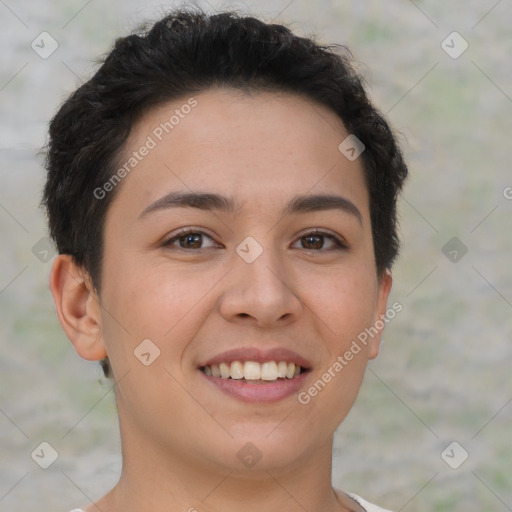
209	201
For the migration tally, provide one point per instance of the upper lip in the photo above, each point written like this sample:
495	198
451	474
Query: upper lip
258	355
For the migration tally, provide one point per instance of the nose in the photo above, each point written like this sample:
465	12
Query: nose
261	292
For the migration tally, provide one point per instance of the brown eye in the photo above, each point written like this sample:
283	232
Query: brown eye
312	242
321	242
190	239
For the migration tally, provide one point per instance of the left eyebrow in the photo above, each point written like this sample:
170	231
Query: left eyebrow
320	202
208	201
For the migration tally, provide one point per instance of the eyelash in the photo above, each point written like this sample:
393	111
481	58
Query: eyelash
339	242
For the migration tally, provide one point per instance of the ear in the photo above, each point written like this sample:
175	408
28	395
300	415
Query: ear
385	282
78	307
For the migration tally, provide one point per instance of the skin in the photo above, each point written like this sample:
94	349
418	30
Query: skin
181	435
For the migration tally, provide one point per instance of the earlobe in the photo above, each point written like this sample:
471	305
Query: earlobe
385	282
77	307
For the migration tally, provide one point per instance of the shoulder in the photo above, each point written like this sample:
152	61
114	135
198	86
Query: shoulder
369	507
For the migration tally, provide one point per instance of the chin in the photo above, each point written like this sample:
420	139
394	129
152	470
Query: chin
269	447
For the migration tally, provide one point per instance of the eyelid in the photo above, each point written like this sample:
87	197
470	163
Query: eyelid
185	231
338	240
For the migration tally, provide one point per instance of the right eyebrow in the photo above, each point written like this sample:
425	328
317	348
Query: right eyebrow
203	201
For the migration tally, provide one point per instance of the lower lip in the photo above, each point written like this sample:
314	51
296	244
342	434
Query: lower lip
268	393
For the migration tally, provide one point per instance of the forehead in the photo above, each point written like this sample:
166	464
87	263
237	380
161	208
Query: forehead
254	147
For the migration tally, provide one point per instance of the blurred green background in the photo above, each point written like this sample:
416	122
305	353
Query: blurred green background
444	373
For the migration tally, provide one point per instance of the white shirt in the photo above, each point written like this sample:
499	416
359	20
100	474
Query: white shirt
368	507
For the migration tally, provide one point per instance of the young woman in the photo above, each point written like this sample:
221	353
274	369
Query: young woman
223	197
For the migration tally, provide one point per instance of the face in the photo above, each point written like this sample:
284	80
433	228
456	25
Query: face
239	244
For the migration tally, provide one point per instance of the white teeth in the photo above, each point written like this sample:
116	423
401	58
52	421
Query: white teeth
224	370
251	370
269	371
290	371
237	370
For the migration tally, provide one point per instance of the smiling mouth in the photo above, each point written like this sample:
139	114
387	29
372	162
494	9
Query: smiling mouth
253	372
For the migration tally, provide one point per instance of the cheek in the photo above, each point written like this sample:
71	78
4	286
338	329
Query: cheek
343	307
153	302
344	302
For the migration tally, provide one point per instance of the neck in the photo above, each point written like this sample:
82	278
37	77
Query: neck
163	481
